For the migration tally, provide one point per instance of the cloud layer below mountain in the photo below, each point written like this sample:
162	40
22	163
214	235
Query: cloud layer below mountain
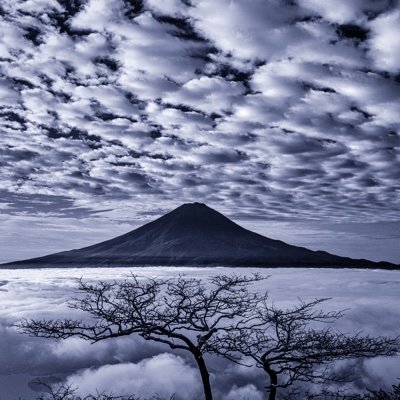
145	367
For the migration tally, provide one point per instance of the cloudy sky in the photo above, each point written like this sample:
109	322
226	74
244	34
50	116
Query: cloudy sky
283	114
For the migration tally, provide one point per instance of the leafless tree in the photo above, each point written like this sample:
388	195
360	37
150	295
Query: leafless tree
67	392
380	394
289	347
183	313
61	392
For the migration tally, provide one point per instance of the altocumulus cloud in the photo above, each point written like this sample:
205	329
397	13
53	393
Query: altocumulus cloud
277	110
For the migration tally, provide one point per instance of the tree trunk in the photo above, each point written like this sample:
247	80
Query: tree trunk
205	377
273	381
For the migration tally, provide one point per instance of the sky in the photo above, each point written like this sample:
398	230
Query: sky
282	114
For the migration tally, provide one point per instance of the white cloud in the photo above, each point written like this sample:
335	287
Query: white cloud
343	11
385	48
242	30
244	393
164	374
168	7
207	94
98	14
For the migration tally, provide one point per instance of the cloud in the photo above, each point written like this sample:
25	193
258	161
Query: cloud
164	374
242	30
384	48
208	94
244	393
290	107
381	370
131	365
342	11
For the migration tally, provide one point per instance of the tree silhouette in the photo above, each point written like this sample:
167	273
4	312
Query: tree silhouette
288	346
184	313
380	394
67	392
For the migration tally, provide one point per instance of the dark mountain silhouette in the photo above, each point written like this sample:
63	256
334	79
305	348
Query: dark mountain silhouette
194	234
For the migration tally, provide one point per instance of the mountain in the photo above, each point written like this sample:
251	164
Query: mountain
194	234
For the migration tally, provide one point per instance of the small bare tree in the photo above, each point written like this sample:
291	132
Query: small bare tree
286	344
67	392
380	394
184	313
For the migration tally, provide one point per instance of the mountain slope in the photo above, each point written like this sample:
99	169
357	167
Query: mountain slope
194	234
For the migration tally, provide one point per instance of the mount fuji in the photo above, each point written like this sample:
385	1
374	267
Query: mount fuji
196	235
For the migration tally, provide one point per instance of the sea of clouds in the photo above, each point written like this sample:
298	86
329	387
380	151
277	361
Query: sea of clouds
130	365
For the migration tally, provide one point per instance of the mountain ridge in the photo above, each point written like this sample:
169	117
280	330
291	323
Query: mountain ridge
194	234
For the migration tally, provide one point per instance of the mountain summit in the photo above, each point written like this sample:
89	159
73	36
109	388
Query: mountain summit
194	234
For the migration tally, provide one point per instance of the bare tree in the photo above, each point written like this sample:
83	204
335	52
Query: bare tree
67	392
286	344
184	313
380	394
114	309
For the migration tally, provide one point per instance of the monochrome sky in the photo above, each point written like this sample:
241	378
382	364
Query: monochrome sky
280	111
